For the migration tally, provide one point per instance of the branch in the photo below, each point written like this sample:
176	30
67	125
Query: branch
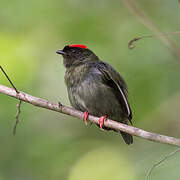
9	79
148	22
78	114
132	41
160	162
18	105
17	116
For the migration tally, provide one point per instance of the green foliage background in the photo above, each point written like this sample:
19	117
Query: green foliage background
54	146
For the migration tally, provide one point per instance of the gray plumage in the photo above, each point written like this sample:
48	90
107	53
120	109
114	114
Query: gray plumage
96	87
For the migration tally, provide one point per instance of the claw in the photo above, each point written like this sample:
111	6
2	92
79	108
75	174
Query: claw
59	104
101	121
85	116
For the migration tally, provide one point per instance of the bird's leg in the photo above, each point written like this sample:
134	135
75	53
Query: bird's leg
101	121
85	116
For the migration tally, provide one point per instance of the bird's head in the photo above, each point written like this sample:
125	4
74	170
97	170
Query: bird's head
76	54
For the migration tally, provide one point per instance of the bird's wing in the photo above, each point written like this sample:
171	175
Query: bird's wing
115	81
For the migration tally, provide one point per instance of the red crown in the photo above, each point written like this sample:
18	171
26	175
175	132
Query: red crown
78	45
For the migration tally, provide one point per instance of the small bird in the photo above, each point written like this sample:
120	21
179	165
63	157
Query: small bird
95	87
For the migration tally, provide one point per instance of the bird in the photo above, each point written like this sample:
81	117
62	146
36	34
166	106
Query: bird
95	87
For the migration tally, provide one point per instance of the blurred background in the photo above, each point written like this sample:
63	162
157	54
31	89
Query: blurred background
50	145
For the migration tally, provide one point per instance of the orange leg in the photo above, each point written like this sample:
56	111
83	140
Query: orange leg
101	121
85	116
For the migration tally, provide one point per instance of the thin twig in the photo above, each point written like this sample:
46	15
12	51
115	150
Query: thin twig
78	114
148	22
131	42
160	162
17	117
18	105
9	80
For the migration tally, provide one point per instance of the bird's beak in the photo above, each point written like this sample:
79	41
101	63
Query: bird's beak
60	52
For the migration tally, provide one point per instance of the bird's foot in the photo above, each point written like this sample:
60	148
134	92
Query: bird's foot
85	116
59	104
101	121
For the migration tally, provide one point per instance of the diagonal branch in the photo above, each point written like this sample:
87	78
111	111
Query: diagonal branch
148	22
9	79
78	114
160	162
19	103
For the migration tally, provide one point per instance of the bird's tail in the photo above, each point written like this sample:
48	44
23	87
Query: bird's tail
127	137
